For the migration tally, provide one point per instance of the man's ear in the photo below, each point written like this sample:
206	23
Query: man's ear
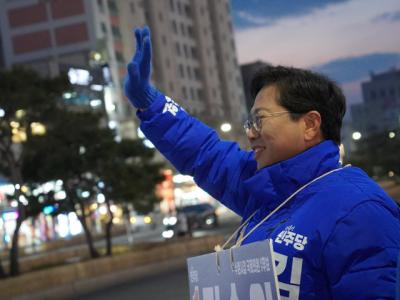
312	126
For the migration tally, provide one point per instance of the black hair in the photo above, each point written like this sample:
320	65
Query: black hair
301	91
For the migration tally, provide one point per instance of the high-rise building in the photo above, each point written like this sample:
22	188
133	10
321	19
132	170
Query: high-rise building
52	36
194	56
248	71
380	110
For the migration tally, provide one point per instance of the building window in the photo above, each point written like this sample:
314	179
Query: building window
188	11
178	48
372	95
233	44
185	50
179	8
167	63
197	74
383	93
100	5
115	31
183	31
132	7
189	72
194	52
160	17
200	94
181	71
190	31
119	57
184	92
164	40
172	5
174	27
112	6
171	87
103	28
192	94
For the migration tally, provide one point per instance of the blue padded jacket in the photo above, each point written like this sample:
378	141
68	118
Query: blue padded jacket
339	238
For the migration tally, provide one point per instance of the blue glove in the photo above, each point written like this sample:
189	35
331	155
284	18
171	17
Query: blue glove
137	82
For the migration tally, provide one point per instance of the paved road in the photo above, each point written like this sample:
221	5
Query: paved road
168	283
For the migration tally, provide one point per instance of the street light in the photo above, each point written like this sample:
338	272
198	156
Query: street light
38	128
392	135
18	135
101	198
97	56
356	135
226	127
20	113
112	124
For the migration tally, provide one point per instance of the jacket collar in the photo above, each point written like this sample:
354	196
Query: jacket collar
273	184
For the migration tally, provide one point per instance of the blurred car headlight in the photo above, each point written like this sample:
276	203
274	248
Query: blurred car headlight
173	220
170	221
167	234
210	221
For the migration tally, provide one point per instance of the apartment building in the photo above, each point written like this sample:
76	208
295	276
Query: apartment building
380	109
194	55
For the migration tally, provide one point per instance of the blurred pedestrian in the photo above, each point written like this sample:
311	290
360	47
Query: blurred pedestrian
336	234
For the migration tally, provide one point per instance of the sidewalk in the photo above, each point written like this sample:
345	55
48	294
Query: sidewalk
75	279
76	250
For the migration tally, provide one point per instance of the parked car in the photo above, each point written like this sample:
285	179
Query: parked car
189	218
139	222
201	215
175	225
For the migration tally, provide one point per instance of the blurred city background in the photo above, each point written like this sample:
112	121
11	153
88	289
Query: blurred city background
88	207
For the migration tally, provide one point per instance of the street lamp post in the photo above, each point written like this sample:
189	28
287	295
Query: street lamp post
226	127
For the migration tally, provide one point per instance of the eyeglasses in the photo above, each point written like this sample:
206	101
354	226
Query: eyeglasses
255	122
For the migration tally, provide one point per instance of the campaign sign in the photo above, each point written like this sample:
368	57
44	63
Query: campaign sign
242	273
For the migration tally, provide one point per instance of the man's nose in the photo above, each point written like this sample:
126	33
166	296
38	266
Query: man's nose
252	134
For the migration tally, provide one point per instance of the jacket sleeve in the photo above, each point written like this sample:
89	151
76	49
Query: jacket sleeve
194	149
361	254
